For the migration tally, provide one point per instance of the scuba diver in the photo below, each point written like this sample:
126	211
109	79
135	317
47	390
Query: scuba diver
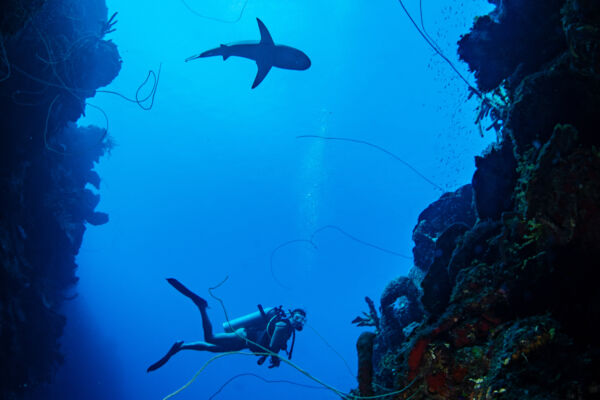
271	328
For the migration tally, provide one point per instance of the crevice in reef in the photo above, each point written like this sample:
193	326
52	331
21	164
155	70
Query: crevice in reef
503	267
54	56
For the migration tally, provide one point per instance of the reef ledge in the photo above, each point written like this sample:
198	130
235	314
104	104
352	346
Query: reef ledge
504	276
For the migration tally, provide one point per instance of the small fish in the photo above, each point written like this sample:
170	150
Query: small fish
266	53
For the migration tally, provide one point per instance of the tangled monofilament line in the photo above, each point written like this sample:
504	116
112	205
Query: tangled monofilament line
490	105
56	80
382	149
264	380
435	46
4	59
137	100
45	134
198	14
311	241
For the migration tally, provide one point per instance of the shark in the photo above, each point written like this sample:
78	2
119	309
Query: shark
265	53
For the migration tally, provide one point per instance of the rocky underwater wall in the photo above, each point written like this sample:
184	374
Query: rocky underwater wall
502	301
53	56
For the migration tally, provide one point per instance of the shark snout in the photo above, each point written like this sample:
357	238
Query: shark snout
289	58
304	62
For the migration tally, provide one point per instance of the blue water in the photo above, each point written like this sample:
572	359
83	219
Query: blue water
212	179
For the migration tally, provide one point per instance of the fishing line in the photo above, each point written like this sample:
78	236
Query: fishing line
151	95
364	243
216	18
311	241
435	185
436	48
279	247
264	380
4	58
342	358
32	93
53	62
64	153
423	26
44	135
334	350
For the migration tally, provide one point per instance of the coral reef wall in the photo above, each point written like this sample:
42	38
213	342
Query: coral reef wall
53	56
505	266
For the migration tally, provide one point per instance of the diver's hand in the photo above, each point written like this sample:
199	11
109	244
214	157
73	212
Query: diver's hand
261	360
275	361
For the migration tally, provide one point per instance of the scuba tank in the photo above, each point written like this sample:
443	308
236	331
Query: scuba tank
256	318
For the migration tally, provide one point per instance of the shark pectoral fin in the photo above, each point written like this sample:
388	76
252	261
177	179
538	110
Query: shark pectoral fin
263	70
265	36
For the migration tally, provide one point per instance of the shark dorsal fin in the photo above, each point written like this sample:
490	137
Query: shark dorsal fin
265	36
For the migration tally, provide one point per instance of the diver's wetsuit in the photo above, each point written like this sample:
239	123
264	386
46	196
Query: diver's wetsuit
229	341
275	342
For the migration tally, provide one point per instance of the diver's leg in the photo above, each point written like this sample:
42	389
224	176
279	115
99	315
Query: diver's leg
174	349
206	326
198	301
203	346
232	341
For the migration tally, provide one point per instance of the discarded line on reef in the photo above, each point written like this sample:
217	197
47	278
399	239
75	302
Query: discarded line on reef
196	13
435	185
311	241
264	380
436	48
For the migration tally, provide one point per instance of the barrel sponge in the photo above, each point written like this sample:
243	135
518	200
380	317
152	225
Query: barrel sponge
364	348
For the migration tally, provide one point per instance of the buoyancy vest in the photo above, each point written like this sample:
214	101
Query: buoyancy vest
260	326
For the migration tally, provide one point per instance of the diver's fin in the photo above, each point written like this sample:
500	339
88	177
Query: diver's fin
174	349
265	36
263	70
199	301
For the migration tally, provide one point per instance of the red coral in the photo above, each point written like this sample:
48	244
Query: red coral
459	373
415	356
463	336
444	326
436	383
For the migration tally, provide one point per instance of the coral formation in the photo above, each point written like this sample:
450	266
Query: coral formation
55	57
490	51
510	309
364	348
451	208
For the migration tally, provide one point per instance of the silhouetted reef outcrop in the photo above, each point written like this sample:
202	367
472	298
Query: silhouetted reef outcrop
511	308
53	56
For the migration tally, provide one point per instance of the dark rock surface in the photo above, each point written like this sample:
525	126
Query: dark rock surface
436	284
512	306
54	56
534	111
494	181
519	36
451	208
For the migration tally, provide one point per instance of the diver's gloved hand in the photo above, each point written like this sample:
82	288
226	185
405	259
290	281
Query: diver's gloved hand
261	360
275	361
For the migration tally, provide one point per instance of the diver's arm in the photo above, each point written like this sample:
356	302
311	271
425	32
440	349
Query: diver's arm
281	334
